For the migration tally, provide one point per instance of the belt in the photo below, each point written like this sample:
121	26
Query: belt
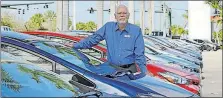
122	66
127	65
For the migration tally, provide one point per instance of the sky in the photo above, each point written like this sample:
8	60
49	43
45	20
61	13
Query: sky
82	15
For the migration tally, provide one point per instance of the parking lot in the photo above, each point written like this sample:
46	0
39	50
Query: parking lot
212	84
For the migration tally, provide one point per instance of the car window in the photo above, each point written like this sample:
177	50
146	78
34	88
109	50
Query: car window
200	41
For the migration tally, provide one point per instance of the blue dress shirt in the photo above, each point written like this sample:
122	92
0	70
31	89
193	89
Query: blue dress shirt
123	47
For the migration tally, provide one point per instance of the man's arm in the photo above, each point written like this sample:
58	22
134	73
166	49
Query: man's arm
140	58
91	40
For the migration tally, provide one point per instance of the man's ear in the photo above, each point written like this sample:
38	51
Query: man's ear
128	16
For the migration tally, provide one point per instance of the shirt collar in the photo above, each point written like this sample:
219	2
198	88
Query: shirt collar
126	27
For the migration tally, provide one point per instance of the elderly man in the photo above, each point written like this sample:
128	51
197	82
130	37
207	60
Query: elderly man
125	44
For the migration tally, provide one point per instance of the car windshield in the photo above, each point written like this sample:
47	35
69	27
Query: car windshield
152	44
58	50
66	53
23	78
157	41
148	50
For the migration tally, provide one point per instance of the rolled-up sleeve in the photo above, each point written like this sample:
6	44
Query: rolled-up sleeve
139	53
92	40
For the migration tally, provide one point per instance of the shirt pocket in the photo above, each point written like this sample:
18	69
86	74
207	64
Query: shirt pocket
128	44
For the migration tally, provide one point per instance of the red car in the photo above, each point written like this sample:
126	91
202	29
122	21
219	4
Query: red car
181	78
190	83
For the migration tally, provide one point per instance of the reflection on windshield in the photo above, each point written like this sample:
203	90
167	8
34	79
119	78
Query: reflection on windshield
36	74
9	82
66	53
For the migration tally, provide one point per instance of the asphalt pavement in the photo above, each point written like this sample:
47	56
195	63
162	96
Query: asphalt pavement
212	71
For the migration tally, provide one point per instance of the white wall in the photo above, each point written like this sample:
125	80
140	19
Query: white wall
199	21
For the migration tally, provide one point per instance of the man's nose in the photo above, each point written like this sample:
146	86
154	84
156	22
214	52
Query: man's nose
122	15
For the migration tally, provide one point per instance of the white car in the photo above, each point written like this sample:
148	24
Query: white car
5	28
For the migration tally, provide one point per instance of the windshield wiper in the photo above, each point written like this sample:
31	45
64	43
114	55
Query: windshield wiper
92	93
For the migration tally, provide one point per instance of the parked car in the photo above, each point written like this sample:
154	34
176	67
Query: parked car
20	78
68	61
171	52
209	45
5	28
193	42
188	81
62	38
65	38
193	45
153	55
165	43
174	46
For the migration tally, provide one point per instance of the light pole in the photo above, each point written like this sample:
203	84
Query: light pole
100	14
74	15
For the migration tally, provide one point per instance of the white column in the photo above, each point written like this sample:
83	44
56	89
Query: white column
164	19
132	12
65	15
74	15
142	12
151	16
118	2
59	16
112	10
100	15
199	21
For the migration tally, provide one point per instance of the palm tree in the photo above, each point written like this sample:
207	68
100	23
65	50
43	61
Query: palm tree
217	4
178	30
60	84
8	81
35	22
50	17
174	29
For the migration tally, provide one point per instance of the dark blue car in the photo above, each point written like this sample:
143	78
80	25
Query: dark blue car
72	64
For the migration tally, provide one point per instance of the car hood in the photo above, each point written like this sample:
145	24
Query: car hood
150	83
162	87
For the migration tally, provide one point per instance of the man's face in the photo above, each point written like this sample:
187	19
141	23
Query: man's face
122	15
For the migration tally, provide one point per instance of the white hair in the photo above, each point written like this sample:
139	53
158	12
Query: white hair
119	6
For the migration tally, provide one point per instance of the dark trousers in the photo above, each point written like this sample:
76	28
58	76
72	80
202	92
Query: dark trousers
130	67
